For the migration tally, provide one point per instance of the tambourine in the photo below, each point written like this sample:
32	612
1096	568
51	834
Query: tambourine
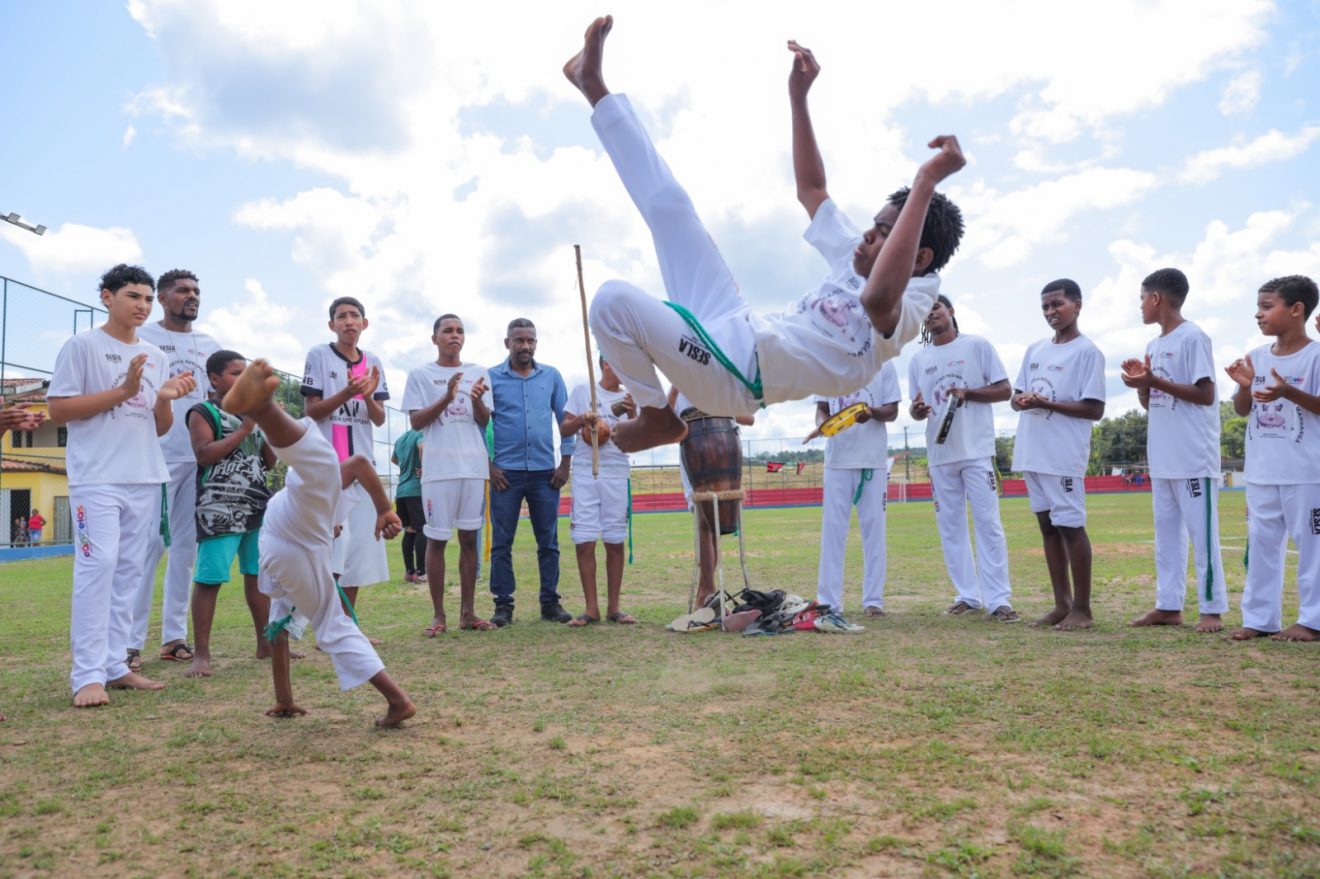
842	420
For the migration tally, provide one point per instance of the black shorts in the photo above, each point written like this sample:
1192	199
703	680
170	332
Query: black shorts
410	512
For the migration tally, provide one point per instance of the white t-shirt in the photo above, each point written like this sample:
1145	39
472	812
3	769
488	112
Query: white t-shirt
348	428
866	445
613	463
966	362
1051	442
824	344
118	446
185	352
1182	438
454	445
1283	439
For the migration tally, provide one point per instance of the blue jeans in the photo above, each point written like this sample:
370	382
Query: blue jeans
543	510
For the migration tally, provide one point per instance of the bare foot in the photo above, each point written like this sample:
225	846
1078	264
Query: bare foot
653	427
397	714
1209	622
200	668
1050	618
584	68
133	681
283	709
1297	632
1245	634
1159	617
1076	619
253	389
90	696
263	649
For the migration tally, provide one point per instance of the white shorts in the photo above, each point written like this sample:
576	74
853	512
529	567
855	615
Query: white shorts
451	504
1063	497
600	509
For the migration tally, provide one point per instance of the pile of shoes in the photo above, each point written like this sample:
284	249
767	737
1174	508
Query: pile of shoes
754	612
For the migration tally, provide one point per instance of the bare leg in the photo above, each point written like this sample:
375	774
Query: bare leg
654	426
1210	622
203	614
91	696
1078	545
584	68
1158	617
133	681
710	556
259	606
435	581
467	582
614	560
279	669
1297	632
1056	562
400	706
350	596
586	563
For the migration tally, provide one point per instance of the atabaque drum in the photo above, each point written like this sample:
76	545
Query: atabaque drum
712	456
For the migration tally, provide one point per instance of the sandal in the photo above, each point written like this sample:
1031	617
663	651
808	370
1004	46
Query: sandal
434	629
582	620
477	625
623	618
134	661
180	652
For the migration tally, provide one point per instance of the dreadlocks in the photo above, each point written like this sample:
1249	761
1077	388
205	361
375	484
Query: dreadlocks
943	300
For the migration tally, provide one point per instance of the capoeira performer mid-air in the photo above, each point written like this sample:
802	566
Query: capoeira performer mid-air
296	538
726	359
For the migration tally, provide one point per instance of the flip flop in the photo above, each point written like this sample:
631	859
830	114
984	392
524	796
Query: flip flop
134	660
736	622
698	617
622	618
433	630
478	626
581	621
172	655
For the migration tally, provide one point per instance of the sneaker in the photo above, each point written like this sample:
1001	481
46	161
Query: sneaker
1006	614
555	613
503	615
958	608
832	622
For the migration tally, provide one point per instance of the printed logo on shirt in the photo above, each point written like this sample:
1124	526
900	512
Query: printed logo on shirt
114	358
687	345
931	369
1067	483
1315	521
990	477
854	283
430	519
1054	367
334	374
84	540
1194	488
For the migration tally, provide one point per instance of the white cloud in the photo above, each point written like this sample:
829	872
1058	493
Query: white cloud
1241	94
238	319
1272	146
129	134
74	248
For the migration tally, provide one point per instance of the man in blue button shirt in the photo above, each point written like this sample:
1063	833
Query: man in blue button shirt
529	398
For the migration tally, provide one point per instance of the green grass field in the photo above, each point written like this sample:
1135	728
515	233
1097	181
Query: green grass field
926	746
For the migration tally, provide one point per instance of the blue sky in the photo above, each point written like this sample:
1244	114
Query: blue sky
429	159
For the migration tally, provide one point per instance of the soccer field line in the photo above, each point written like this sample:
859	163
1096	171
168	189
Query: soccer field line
1224	549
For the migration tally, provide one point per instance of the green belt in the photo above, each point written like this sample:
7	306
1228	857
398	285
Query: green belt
867	474
754	386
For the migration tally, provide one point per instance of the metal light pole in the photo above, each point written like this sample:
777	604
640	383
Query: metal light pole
15	220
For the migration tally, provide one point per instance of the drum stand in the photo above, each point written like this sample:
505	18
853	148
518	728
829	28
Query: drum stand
714	497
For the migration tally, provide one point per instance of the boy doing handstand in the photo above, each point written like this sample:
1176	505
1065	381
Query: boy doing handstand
725	358
1279	392
1060	390
296	539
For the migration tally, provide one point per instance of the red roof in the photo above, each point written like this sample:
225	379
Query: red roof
9	465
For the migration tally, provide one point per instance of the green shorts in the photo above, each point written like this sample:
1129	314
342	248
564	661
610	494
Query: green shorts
215	556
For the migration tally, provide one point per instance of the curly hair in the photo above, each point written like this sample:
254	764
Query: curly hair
942	232
122	275
1293	289
1168	282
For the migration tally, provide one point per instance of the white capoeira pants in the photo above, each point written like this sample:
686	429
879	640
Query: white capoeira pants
182	498
1275	513
956	485
638	332
1187	507
359	557
112	526
840	486
295	557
